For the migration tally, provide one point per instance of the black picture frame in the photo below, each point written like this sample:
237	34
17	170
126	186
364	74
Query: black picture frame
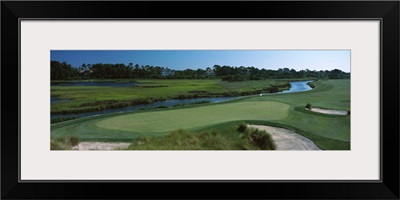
386	11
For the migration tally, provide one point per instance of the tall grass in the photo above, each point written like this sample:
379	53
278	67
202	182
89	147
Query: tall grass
250	139
260	138
64	143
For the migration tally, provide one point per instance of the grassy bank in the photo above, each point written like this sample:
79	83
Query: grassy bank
92	98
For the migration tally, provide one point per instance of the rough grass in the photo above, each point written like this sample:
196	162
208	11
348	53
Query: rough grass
251	139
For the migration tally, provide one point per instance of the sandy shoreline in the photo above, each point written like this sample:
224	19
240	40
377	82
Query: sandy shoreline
328	111
286	139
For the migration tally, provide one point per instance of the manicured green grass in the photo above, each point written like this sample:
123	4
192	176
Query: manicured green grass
160	122
165	121
94	98
285	110
332	94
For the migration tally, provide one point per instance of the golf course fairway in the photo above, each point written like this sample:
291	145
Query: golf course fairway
329	132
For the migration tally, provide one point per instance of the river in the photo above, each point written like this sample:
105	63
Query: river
298	86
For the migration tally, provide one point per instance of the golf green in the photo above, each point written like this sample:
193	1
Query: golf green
153	123
164	121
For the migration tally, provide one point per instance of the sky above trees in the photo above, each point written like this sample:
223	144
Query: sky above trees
194	59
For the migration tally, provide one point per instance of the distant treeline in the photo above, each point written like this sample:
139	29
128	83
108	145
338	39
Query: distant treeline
64	71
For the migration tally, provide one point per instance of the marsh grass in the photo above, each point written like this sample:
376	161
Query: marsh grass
96	98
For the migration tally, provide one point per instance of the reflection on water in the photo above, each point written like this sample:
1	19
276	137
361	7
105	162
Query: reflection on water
298	86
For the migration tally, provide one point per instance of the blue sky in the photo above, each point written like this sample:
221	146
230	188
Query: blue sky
194	59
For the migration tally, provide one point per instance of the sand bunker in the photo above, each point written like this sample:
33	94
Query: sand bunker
286	139
101	146
329	112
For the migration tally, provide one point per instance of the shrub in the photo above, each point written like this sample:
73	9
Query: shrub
273	89
73	141
263	140
308	106
311	85
242	127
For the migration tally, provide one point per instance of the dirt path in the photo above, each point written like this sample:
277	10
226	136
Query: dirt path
286	139
329	112
84	146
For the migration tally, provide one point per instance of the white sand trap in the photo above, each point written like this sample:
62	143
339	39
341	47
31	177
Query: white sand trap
286	139
84	146
329	112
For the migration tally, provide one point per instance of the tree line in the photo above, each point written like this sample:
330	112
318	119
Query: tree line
64	71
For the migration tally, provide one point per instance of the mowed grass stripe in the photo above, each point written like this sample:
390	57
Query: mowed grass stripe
168	120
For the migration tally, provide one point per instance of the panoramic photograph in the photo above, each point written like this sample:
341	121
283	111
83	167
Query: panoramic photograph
200	100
